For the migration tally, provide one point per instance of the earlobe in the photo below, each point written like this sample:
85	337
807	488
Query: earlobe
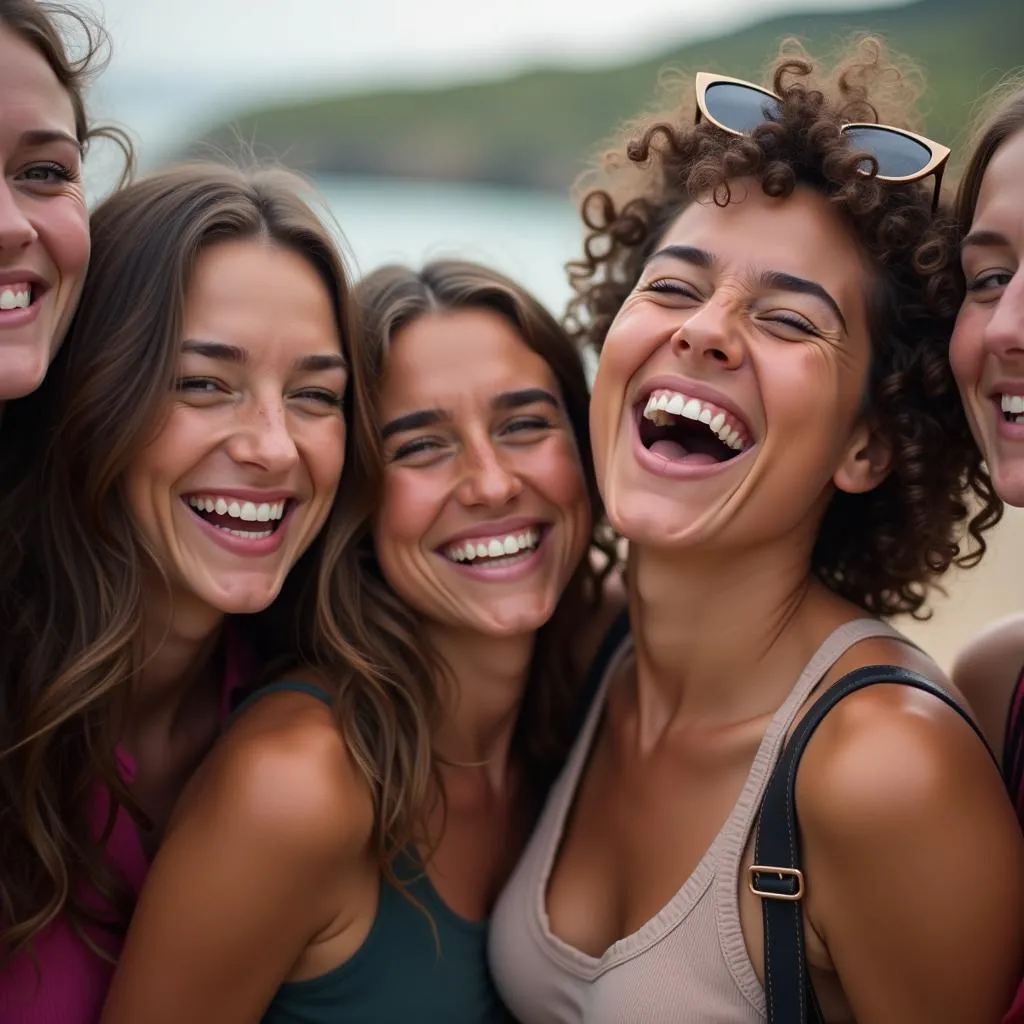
867	461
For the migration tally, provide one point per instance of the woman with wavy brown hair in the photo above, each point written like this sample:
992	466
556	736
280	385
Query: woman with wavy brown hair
181	457
987	355
312	875
45	133
777	809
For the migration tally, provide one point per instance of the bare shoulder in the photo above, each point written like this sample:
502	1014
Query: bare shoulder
891	750
282	776
986	671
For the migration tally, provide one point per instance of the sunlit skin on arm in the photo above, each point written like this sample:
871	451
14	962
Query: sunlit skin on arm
899	802
249	873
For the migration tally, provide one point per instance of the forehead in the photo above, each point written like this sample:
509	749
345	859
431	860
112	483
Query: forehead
31	97
255	293
1002	187
799	234
466	356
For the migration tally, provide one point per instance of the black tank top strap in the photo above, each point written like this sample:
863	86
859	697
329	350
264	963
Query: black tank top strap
1013	747
280	686
610	644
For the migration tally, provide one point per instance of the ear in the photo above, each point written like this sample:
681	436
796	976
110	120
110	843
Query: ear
866	461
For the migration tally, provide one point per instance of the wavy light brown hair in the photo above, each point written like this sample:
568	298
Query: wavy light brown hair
406	673
39	23
71	569
883	549
1002	117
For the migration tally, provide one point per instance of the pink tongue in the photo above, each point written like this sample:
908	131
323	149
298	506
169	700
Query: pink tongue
675	452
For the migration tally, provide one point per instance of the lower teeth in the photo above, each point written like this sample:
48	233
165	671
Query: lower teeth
247	534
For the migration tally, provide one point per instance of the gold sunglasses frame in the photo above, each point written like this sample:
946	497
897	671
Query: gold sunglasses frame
939	154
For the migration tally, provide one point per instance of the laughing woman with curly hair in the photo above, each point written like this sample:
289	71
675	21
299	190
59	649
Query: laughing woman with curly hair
777	434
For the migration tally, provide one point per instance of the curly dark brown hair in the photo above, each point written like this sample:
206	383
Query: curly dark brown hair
884	549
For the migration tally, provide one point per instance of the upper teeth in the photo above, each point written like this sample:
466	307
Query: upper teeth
16	296
493	547
1012	403
247	510
663	405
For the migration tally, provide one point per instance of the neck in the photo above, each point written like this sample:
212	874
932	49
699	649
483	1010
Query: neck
178	641
718	635
480	697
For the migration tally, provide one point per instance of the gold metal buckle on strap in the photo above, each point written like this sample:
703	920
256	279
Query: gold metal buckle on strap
760	869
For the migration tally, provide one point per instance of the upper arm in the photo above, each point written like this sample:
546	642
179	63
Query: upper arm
238	887
914	861
986	672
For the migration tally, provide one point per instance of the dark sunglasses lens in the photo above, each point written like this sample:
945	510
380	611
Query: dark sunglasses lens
898	156
738	107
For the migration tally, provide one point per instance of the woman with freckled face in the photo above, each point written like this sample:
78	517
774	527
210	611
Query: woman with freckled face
987	355
44	225
181	459
340	853
773	788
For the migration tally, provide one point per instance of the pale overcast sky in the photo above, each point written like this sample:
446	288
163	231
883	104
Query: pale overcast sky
363	41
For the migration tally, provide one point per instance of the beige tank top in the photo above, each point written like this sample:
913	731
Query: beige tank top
689	962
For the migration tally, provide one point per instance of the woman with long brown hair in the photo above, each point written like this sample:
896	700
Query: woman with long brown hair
181	457
777	809
987	354
45	133
337	857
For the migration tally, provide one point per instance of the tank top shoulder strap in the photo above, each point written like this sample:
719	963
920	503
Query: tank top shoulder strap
280	686
1013	747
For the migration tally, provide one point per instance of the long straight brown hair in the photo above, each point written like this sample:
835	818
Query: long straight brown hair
71	558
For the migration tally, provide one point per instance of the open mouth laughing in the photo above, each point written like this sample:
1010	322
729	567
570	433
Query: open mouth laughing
687	430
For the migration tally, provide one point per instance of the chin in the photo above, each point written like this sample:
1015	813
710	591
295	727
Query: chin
516	622
1009	483
242	600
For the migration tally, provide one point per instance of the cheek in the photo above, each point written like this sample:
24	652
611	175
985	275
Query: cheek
965	347
405	516
64	231
326	458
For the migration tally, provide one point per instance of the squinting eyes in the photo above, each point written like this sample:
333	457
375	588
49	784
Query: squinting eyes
523	429
990	281
210	386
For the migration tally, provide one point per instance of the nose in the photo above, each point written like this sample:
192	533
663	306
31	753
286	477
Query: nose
263	438
16	231
486	477
708	334
1004	332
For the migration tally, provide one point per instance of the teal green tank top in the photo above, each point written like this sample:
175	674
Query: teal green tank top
402	973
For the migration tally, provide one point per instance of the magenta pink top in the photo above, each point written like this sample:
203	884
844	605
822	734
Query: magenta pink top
66	983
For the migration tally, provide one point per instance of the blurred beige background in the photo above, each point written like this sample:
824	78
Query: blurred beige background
977	596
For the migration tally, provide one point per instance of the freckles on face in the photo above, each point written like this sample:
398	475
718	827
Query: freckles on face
751	318
44	229
987	347
485	515
245	463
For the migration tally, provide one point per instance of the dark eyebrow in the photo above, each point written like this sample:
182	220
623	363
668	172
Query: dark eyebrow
316	364
234	354
686	253
216	350
526	396
776	280
44	136
983	238
413	421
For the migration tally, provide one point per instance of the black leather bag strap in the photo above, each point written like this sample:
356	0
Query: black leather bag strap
776	875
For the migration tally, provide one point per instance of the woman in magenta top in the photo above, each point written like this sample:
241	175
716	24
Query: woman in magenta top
987	353
180	459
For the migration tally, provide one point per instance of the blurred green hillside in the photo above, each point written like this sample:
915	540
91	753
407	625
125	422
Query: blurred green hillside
538	129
